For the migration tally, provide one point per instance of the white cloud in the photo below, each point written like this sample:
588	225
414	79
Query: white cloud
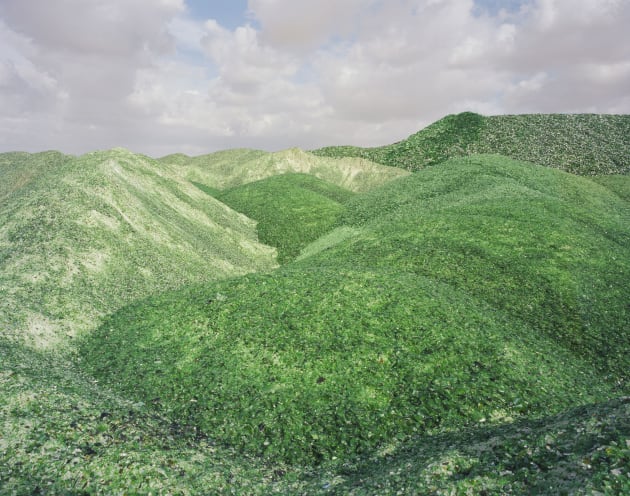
607	74
187	33
92	27
302	25
26	91
245	63
85	74
81	57
402	72
252	96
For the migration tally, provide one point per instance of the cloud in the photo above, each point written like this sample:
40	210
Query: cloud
245	63
23	86
85	74
569	56
92	28
296	26
81	58
253	92
395	71
560	33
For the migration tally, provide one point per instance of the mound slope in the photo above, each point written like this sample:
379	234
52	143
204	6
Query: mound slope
480	291
585	144
69	434
19	169
80	237
291	210
232	168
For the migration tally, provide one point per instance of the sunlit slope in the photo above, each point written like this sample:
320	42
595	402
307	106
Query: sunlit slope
18	169
584	144
291	209
476	292
87	235
231	168
550	248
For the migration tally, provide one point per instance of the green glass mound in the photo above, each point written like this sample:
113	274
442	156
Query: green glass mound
481	291
584	144
291	210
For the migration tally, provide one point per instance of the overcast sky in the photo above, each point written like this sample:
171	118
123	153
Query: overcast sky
193	76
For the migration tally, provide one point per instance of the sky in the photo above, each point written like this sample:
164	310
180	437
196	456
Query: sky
195	76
